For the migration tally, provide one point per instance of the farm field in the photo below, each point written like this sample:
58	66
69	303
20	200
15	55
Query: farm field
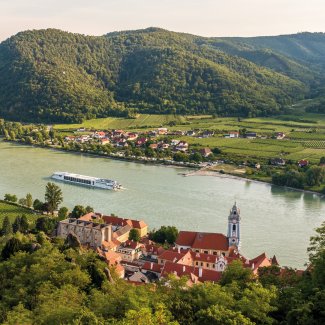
305	133
12	211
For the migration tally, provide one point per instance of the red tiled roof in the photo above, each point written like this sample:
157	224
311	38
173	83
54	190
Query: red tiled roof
172	255
213	241
203	240
204	257
185	270
131	244
153	249
186	238
117	221
111	244
154	267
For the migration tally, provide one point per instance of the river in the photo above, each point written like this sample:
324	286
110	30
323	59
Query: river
273	219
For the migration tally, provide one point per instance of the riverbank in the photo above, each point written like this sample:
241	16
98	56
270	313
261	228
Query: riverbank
141	160
214	173
198	169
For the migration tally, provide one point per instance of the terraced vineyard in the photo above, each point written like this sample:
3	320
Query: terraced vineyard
12	211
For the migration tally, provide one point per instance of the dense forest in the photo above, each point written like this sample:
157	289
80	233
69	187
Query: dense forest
55	76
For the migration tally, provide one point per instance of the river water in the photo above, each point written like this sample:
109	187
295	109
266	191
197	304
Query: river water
273	219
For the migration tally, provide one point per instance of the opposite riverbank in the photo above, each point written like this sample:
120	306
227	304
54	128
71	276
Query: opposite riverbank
197	169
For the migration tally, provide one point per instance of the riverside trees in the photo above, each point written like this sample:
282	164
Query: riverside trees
53	196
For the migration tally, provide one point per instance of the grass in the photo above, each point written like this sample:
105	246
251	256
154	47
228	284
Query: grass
12	211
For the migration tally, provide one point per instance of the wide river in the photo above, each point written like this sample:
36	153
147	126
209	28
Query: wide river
273	219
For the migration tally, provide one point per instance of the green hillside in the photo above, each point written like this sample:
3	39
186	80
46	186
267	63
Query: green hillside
54	76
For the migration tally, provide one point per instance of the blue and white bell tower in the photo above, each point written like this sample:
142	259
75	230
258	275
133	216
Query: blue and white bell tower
234	227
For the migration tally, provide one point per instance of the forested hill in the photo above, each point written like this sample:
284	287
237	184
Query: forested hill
55	76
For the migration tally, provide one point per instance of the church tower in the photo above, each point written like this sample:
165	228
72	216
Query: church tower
234	227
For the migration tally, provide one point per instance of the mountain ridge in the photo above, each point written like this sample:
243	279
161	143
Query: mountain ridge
56	76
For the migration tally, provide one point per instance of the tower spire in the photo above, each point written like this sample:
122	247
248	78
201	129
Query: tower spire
234	226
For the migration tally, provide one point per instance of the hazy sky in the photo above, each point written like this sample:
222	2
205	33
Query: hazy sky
202	17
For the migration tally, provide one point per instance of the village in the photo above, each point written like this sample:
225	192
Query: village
200	256
162	144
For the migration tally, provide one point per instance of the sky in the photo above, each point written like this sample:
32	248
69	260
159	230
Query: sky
200	17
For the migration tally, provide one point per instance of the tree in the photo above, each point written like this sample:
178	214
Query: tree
53	197
6	227
45	224
11	198
22	201
219	315
16	224
12	246
89	209
29	200
134	235
24	225
39	205
164	234
315	175
78	211
63	213
236	272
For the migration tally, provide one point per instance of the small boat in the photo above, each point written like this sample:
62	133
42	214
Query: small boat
102	183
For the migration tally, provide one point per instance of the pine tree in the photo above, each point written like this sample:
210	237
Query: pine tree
24	225
6	227
16	224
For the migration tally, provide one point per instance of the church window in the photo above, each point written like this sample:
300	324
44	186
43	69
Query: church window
207	264
201	264
197	263
234	227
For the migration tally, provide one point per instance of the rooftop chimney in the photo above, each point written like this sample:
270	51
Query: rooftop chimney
151	266
200	272
184	268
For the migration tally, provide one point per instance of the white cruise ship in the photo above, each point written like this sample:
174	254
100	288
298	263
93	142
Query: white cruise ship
86	180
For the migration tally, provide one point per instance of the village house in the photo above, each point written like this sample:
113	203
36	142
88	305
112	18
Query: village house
118	133
153	146
104	141
152	251
162	131
280	135
175	142
250	135
99	135
69	138
141	141
195	274
190	133
131	136
205	152
182	146
278	162
303	163
207	134
130	250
